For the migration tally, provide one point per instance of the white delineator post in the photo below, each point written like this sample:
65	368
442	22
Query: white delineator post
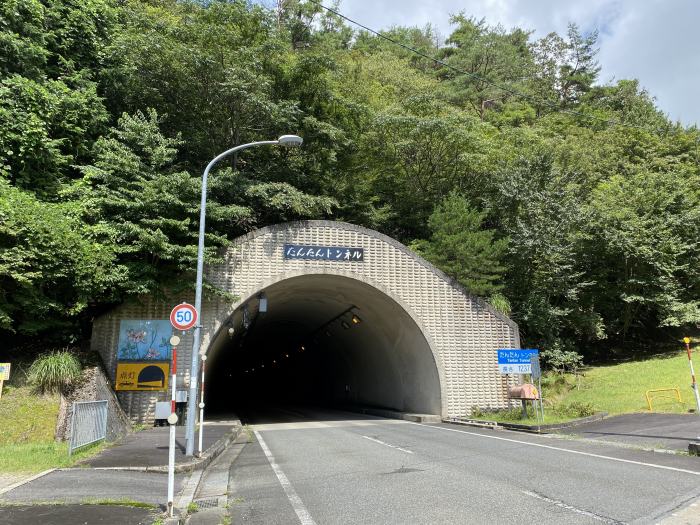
201	405
694	384
172	421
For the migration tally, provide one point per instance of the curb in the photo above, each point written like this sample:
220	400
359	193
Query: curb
536	429
196	464
27	480
395	414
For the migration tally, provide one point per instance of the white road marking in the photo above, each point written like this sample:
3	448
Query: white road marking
388	445
566	506
589	454
298	505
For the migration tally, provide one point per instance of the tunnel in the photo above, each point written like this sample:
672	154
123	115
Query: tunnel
321	340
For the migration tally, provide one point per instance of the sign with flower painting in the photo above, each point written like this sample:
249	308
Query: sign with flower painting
144	340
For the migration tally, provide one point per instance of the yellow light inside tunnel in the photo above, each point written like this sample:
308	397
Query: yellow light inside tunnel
356	319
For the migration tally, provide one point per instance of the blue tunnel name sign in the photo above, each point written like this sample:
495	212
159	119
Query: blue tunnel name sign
323	253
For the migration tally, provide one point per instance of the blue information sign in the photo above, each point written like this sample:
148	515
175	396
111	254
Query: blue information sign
323	253
515	360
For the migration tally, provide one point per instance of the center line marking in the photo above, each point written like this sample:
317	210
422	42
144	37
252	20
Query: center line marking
589	454
298	505
388	445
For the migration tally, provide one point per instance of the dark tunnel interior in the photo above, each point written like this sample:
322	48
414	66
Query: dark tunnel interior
325	340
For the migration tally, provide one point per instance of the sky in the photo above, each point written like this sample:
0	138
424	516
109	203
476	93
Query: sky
655	41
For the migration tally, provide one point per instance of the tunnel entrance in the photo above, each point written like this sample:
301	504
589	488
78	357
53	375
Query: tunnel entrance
325	340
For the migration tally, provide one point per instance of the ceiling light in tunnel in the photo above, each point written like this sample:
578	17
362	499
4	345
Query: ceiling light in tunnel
345	324
302	348
230	331
356	319
286	355
262	307
246	316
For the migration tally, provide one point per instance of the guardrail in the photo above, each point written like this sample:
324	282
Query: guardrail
676	390
88	424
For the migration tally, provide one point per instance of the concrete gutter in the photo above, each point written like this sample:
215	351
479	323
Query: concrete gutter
394	414
536	429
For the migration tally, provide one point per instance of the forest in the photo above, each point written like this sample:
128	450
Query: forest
569	204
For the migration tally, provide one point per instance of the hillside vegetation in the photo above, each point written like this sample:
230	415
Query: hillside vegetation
571	205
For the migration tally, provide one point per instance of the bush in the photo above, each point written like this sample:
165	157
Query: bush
55	371
560	357
575	409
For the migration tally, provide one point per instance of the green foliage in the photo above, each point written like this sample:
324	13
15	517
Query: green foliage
55	371
109	112
461	248
561	358
51	266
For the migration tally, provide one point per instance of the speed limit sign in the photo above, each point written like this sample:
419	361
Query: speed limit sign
183	316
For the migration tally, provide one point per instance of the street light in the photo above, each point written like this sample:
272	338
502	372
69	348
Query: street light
284	140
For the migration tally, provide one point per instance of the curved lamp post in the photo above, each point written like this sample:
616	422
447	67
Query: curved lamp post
284	140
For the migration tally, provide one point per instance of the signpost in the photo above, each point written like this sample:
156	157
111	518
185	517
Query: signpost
172	421
536	373
4	375
694	384
522	361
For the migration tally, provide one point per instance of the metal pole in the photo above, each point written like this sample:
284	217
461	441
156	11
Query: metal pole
172	421
201	405
192	399
694	384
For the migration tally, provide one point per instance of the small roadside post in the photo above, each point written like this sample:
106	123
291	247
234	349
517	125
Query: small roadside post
182	317
201	406
4	375
536	373
172	421
694	384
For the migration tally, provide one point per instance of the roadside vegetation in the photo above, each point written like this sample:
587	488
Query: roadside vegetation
570	204
28	411
615	389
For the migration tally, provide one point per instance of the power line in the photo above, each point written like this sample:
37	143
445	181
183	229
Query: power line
497	85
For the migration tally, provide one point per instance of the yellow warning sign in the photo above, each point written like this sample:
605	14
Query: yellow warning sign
148	376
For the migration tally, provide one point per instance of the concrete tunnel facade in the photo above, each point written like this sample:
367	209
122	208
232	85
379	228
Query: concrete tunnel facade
354	319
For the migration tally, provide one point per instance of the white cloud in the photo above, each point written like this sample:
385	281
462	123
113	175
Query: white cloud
656	41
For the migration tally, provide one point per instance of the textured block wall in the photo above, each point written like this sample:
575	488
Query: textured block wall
463	331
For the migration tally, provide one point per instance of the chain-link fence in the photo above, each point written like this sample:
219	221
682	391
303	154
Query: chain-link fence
88	424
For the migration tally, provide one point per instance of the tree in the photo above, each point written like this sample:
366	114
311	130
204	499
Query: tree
491	58
564	69
462	248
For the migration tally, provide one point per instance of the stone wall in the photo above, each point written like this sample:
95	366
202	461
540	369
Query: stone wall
93	386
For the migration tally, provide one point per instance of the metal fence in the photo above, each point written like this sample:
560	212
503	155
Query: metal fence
88	424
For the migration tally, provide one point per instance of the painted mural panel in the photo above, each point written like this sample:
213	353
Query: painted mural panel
144	340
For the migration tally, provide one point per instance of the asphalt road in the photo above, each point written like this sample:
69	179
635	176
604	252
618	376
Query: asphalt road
331	467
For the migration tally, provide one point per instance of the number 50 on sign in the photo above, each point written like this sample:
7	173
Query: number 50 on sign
183	316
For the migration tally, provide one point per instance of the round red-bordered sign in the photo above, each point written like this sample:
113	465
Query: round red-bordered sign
183	317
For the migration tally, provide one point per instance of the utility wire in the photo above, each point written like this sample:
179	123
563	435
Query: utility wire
497	85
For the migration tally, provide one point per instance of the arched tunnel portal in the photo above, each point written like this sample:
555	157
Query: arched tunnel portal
422	342
324	340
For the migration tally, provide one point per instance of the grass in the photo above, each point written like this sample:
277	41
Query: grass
34	457
619	389
615	389
27	433
27	417
123	502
